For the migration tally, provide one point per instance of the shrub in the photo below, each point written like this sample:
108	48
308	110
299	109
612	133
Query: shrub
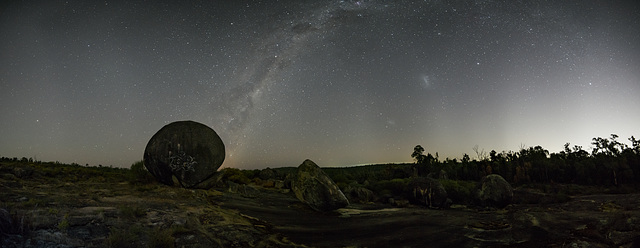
235	175
64	223
459	191
139	173
396	187
342	185
251	174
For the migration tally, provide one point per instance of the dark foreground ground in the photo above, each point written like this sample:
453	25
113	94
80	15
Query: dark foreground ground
585	221
41	210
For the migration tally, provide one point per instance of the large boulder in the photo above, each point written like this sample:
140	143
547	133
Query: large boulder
313	187
188	150
494	191
430	192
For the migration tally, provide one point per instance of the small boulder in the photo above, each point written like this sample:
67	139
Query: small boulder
188	150
313	187
359	194
494	191
243	190
430	192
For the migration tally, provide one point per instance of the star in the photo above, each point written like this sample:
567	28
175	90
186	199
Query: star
281	82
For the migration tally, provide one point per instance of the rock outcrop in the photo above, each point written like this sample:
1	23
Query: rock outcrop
494	191
313	187
6	222
190	151
430	192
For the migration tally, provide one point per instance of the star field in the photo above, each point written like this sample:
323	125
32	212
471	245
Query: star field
338	82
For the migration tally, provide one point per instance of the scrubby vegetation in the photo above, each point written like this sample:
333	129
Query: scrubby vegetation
75	186
50	195
611	167
140	174
610	163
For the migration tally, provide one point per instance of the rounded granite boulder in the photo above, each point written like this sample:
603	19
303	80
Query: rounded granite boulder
494	191
188	150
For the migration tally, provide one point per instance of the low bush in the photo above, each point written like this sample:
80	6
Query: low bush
64	223
235	175
395	187
139	173
460	192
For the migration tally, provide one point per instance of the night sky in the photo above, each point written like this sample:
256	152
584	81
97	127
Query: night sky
338	82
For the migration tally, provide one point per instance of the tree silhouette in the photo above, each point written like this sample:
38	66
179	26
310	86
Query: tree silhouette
481	155
418	154
610	163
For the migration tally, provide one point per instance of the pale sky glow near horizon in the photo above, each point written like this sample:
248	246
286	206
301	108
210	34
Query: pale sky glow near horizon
338	82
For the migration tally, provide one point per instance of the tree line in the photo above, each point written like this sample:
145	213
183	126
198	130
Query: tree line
610	163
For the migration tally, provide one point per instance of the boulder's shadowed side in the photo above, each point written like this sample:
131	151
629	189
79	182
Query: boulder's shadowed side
188	150
313	187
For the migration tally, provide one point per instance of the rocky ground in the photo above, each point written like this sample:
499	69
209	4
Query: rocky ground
37	210
585	221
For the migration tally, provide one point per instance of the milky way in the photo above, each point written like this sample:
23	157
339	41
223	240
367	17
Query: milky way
271	60
338	82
